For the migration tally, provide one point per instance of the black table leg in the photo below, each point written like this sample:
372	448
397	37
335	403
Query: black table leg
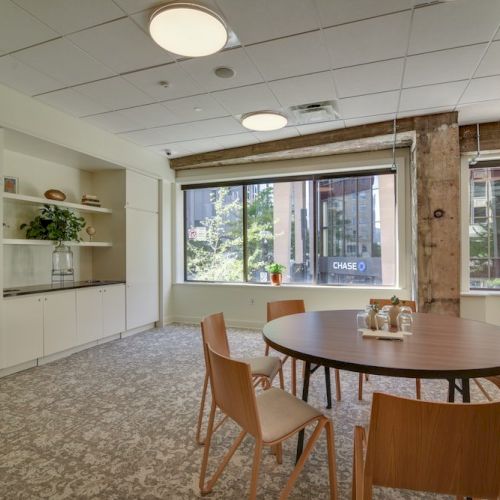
451	390
465	390
305	395
328	388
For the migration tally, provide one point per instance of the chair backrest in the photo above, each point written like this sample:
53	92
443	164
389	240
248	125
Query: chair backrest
281	308
446	448
233	391
213	331
387	302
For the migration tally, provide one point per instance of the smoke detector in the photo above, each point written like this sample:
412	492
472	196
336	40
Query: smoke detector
224	72
314	112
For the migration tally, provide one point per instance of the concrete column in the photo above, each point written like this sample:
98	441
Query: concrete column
438	213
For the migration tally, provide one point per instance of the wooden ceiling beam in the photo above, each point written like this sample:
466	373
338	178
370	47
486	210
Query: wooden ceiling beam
489	135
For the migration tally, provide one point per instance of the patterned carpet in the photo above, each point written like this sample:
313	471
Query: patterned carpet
118	422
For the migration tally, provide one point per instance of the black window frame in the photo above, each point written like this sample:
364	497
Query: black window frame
315	178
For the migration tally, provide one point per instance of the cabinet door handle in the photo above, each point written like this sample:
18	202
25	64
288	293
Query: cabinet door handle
39	300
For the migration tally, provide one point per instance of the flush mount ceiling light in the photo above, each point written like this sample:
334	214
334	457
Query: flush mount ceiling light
188	29
263	121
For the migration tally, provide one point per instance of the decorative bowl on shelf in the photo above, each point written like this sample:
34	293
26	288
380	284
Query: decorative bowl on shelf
55	194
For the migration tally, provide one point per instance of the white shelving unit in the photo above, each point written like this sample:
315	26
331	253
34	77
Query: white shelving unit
12	241
34	200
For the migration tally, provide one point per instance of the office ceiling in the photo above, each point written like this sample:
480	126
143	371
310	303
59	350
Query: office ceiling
376	59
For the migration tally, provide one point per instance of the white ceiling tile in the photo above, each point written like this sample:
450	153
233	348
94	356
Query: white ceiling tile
114	92
261	20
292	56
164	135
121	45
354	122
200	145
151	115
23	78
442	66
482	89
369	78
426	111
490	65
276	135
236	140
195	108
333	12
114	122
63	61
220	126
72	102
246	99
370	40
19	29
202	70
175	149
304	89
179	83
66	16
453	24
133	6
367	105
431	96
312	128
479	112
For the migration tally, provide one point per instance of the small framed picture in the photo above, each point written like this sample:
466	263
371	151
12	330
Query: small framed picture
11	184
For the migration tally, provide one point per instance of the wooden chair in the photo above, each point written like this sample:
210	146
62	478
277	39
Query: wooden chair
270	417
281	308
382	303
494	380
264	368
445	448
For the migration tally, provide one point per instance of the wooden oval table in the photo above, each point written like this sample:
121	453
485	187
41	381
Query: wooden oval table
440	347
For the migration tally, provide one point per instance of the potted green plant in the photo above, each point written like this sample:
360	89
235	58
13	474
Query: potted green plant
394	310
373	321
276	272
60	225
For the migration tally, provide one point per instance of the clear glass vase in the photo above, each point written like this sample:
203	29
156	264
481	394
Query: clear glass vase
62	263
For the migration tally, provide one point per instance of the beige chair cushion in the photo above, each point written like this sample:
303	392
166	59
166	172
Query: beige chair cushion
268	366
281	414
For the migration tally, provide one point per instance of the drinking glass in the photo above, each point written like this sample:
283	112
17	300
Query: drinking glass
405	321
361	320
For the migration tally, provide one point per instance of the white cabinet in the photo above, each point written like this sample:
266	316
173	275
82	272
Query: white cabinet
142	268
141	192
100	312
59	322
113	310
22	330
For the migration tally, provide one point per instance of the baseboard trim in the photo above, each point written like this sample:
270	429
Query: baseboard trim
4	372
233	323
139	329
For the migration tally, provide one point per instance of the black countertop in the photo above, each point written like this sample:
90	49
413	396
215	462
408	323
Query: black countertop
55	287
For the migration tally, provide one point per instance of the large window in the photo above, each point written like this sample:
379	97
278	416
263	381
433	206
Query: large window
336	230
484	227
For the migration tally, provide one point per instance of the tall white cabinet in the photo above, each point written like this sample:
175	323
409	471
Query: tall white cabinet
142	250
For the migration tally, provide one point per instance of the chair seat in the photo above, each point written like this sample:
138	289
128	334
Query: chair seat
282	414
267	366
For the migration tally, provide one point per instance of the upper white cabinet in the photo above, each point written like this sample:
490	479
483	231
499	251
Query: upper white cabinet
22	330
59	322
141	192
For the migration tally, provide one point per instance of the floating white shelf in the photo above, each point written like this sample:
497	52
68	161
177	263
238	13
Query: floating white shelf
34	200
20	241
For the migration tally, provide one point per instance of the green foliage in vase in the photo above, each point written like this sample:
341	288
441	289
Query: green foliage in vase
276	268
395	300
55	224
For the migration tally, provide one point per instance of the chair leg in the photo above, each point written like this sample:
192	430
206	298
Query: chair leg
482	389
358	463
255	469
328	388
282	379
332	464
294	376
338	392
418	388
360	387
202	410
206	451
266	353
303	457
279	453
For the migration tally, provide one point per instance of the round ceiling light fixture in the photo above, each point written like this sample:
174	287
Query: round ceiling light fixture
263	121
188	29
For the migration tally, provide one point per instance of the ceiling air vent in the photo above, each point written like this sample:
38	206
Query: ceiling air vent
314	112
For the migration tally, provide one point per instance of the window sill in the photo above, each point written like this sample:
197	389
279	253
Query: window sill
479	293
287	286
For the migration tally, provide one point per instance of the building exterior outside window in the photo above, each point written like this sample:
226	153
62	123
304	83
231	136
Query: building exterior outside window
337	230
484	227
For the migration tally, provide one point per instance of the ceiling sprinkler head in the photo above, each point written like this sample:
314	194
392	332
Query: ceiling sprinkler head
224	72
168	152
164	84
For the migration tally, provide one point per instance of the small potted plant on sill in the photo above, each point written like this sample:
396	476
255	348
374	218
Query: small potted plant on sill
276	272
394	310
373	320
